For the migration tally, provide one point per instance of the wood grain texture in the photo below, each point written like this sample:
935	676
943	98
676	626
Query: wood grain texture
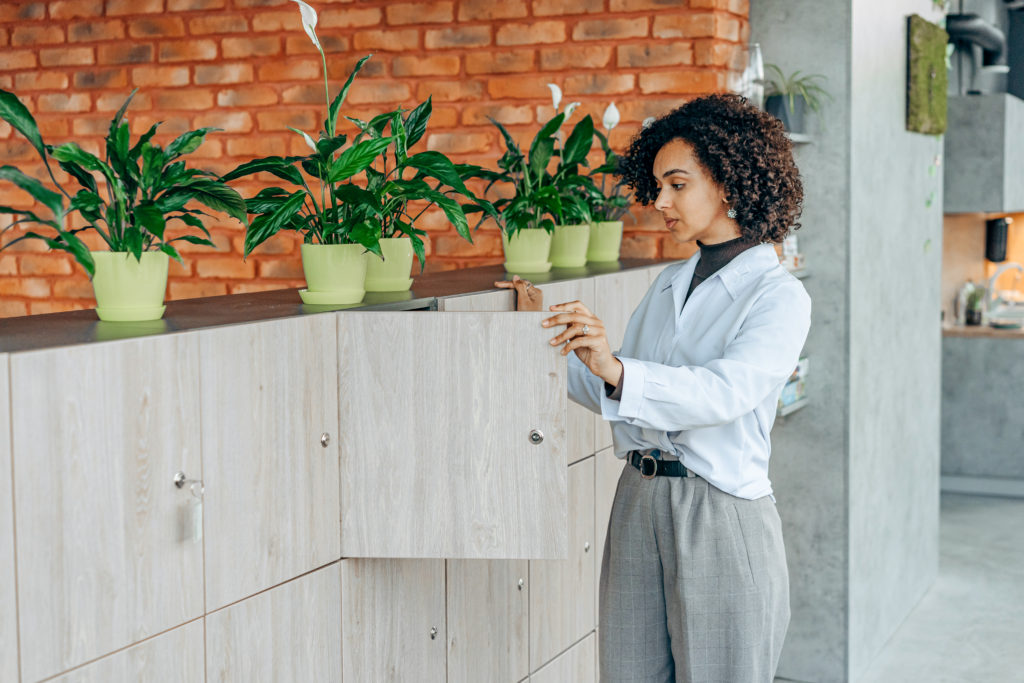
576	665
607	470
99	432
172	657
288	634
388	608
436	457
269	391
8	614
562	592
498	300
617	296
488	620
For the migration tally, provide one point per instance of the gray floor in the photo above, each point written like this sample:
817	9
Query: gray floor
969	628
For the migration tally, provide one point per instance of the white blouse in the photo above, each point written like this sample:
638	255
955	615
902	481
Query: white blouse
702	381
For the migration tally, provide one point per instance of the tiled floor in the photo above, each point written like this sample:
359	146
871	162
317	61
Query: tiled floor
969	628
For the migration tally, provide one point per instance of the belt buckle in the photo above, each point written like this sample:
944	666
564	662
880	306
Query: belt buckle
645	462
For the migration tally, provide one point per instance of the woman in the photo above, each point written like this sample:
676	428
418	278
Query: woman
694	585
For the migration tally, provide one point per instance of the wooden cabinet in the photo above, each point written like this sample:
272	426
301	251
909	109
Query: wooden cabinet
289	634
269	395
497	300
8	614
488	619
172	657
562	592
393	620
576	665
607	470
452	436
98	433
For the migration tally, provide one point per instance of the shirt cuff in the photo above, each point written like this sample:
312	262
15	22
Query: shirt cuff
615	392
630	389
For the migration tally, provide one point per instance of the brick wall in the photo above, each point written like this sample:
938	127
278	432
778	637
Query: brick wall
247	67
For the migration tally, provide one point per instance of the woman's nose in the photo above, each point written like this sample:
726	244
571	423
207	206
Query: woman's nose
661	203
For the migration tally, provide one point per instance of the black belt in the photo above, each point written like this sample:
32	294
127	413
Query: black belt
651	467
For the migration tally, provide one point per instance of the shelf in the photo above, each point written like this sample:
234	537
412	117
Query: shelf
800	138
793	407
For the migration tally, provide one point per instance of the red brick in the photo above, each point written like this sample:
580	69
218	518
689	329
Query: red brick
506	114
116	7
741	7
91	125
689	25
433	65
84	31
252	146
525	34
248	287
175	269
126	53
281	268
8	264
101	78
692	81
4	36
223	73
340	67
347	18
638	5
225	268
277	21
26	59
258	3
67	288
41	80
463	36
195	98
217	24
393	40
195	290
230	122
639	246
13	309
113	102
290	70
296	45
598	84
45	264
34	287
306	93
280	120
12	11
41	307
247	96
263	46
367	93
517	87
188	50
6	81
194	5
221	241
283	243
727	28
611	29
50	127
507	61
450	91
460	143
715	53
36	35
5	130
160	76
419	13
642	55
75	9
62	103
547	8
488	10
484	244
575	57
161	27
444	117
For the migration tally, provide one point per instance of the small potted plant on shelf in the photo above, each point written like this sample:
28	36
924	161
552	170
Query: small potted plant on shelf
128	198
975	306
790	96
357	228
609	202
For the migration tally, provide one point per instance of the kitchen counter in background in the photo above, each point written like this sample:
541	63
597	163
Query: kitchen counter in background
981	331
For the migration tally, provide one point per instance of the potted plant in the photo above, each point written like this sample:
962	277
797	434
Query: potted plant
975	306
607	204
790	96
359	219
141	188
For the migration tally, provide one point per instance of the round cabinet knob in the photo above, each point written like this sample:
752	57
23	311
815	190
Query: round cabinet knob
536	436
521	584
433	633
325	439
586	547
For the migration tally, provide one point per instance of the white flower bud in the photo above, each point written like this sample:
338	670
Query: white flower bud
556	93
611	117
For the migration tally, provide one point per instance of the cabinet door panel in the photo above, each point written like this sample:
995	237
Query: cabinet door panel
488	617
562	591
100	431
617	296
436	455
577	665
393	620
288	634
8	615
269	391
172	657
499	300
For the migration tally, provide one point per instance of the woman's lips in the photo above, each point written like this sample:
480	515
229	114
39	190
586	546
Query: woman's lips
670	222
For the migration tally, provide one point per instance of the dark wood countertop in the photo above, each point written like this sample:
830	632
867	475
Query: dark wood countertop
35	332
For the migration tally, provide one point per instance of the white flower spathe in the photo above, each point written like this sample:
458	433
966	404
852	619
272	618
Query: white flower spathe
611	117
556	93
647	122
309	20
570	109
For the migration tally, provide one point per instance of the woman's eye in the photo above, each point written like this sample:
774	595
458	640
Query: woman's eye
678	186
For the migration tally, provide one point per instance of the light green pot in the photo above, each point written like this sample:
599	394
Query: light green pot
527	251
129	290
392	273
605	241
335	273
569	245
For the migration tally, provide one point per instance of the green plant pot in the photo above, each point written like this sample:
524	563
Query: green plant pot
569	245
390	274
129	290
792	117
335	273
527	251
605	241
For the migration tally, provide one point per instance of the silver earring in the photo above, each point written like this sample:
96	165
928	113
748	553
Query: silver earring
731	213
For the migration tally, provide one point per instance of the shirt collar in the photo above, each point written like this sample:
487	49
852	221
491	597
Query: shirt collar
748	264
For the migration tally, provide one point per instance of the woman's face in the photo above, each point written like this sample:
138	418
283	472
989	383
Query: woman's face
692	204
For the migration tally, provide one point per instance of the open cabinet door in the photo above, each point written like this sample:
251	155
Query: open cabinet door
452	436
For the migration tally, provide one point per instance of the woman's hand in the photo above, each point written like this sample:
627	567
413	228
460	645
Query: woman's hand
585	334
528	297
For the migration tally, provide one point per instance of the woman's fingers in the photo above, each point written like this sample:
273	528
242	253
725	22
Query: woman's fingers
572	307
570	318
595	330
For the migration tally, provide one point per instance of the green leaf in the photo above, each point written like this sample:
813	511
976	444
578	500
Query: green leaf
416	122
134	152
278	166
192	221
65	241
398	133
14	112
267	225
213	194
325	147
332	111
120	113
83	177
89	204
367	234
357	157
71	152
266	200
47	197
192	239
171	251
454	213
578	145
540	155
437	165
186	143
151	217
510	143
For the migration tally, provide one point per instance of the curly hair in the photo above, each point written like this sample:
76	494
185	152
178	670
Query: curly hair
745	151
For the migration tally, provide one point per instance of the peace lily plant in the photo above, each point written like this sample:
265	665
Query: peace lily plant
608	202
128	198
352	199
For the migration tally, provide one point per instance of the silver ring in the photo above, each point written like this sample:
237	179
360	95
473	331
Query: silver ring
586	330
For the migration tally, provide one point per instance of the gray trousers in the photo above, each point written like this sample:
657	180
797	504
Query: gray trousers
694	585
